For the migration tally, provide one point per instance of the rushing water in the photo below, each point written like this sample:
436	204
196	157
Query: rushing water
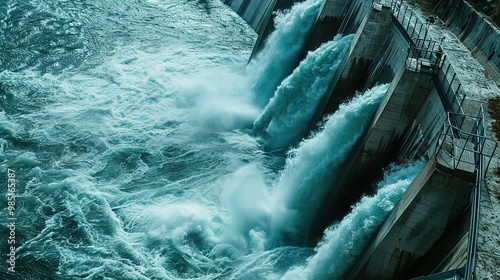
288	114
282	49
128	125
344	241
312	166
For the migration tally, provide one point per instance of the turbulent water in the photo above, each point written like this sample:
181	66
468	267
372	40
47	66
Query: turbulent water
344	241
287	116
128	128
282	49
312	166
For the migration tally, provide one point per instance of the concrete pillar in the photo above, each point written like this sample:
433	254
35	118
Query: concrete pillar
255	12
330	18
431	204
355	69
378	146
401	104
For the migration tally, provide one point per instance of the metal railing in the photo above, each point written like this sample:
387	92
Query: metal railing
464	144
479	143
424	55
427	49
450	274
469	149
463	140
447	80
409	20
427	54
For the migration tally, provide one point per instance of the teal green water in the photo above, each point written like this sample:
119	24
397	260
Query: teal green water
128	125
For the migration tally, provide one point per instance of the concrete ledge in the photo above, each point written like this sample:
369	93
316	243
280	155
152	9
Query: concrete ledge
431	203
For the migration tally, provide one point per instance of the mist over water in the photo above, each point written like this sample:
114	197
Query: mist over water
129	125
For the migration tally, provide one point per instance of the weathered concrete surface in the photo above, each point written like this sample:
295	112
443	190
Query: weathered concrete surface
391	56
379	145
476	32
433	201
255	12
337	17
420	137
327	25
370	37
448	253
354	15
398	109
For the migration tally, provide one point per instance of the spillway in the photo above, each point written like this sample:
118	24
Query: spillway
424	114
316	139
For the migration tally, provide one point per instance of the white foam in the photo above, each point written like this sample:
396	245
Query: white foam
311	167
287	116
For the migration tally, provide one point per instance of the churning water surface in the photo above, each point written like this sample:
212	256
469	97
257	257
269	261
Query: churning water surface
130	128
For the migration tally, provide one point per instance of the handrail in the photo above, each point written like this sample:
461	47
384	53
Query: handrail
483	148
476	195
454	134
424	49
451	133
475	203
454	274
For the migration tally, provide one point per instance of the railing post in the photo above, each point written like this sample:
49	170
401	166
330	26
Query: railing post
404	13
446	72
414	27
409	21
456	97
420	30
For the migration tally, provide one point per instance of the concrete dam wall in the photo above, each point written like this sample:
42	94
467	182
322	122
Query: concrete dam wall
476	32
259	14
255	13
430	231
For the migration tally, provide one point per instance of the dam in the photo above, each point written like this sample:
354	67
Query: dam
432	232
248	139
